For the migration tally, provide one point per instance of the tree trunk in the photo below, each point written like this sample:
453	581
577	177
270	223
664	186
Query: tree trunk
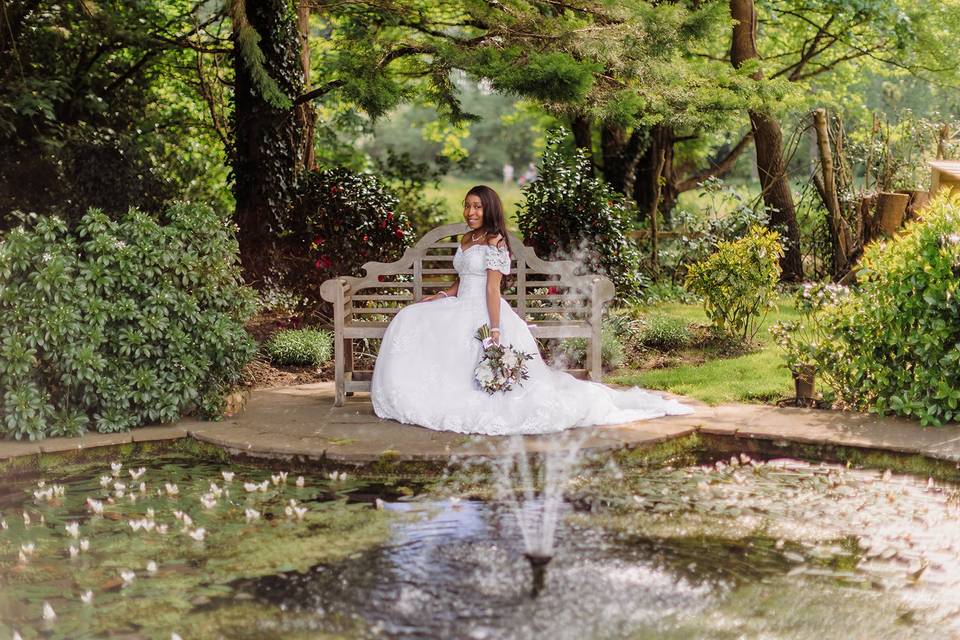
620	156
305	111
839	235
655	186
583	135
268	140
768	141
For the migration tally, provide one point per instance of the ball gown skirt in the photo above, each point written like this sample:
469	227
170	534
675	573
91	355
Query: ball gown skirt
424	371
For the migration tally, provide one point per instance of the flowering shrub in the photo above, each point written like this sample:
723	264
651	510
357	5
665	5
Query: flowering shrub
893	346
803	341
738	283
347	219
568	214
119	323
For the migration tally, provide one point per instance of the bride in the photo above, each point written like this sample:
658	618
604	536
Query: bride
424	371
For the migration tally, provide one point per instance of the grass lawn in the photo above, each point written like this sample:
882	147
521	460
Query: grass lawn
755	377
452	190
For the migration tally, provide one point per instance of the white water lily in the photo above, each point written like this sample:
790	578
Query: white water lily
135	474
300	512
187	520
105	480
171	489
288	511
74	552
178	514
198	534
115	467
48	612
251	514
250	487
152	567
208	501
378	503
228	475
215	490
86	597
58	490
127	576
28	548
84	544
3	525
300	481
143	487
119	486
73	529
162	529
135	524
43	494
26	519
337	477
132	498
95	505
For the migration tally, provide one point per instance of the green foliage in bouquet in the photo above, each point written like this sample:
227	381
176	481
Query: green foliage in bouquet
119	323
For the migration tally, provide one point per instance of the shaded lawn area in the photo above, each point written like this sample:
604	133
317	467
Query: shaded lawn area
755	377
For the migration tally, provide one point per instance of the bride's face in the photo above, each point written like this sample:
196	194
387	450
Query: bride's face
473	211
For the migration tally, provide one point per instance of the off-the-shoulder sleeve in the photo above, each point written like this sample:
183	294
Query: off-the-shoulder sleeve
497	258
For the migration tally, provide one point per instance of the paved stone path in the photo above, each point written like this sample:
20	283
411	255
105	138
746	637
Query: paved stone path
302	421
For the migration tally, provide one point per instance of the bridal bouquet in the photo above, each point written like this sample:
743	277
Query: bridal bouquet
500	367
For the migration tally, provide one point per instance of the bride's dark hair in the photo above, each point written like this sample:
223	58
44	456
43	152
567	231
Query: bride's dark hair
493	220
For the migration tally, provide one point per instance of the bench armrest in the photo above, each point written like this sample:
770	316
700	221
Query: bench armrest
336	290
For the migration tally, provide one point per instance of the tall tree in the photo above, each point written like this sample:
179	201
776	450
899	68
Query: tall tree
768	140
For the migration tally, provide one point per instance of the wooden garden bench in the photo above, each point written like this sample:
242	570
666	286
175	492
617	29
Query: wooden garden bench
554	302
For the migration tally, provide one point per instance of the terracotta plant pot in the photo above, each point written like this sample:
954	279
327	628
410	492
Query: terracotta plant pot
890	210
804	383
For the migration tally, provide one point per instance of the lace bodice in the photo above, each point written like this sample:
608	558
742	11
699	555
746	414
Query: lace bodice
472	264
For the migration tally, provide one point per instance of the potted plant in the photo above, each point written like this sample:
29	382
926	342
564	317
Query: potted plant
802	342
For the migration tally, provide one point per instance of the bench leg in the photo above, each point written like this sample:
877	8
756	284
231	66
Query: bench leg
338	373
595	358
348	360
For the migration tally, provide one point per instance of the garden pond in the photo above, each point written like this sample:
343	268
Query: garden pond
685	545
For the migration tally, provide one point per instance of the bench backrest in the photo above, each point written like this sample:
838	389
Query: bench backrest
538	290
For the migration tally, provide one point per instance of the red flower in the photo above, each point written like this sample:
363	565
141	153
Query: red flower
398	232
553	291
383	224
365	238
389	215
319	240
333	189
323	262
382	278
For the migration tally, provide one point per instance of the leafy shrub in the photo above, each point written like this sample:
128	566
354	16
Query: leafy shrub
309	347
893	346
723	216
802	341
409	179
569	214
118	323
573	351
738	283
665	333
347	219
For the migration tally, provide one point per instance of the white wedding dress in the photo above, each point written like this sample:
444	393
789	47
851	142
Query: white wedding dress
424	370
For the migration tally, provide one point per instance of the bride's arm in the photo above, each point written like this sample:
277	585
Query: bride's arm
450	292
493	302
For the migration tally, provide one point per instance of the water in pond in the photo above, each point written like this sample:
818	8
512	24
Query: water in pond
781	549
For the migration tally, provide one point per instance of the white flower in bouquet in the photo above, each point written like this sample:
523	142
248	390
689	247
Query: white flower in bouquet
509	358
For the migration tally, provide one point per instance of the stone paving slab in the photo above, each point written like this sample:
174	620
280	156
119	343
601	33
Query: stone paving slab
302	421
